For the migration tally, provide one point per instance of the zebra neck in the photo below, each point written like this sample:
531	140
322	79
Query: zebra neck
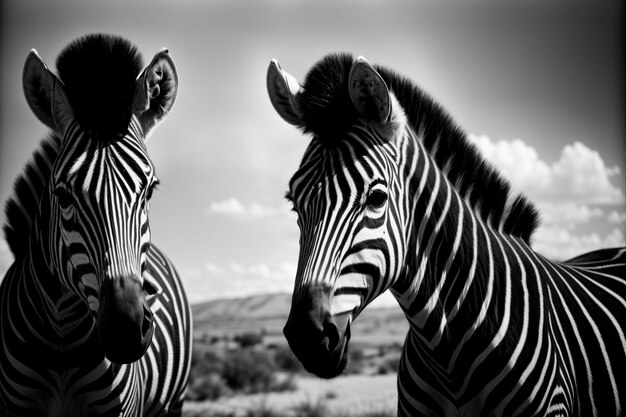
456	261
54	314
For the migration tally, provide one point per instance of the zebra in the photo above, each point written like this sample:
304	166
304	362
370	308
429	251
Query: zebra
391	194
94	320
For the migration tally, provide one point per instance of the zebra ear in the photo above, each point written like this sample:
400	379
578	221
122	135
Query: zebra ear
45	94
283	90
155	90
368	91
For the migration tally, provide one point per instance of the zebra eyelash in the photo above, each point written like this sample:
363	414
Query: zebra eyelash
153	187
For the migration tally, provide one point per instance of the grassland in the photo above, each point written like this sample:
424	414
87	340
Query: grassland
243	367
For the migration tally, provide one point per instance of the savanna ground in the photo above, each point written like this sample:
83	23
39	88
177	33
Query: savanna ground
242	366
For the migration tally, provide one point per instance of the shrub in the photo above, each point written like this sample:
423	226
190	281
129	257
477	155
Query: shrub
248	370
261	409
205	381
210	386
216	373
389	365
356	361
311	409
285	360
249	339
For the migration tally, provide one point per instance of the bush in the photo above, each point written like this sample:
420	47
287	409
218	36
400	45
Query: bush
249	339
389	365
205	381
216	373
248	370
286	361
311	409
356	361
207	387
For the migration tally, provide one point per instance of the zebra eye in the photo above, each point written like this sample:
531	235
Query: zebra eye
376	199
64	197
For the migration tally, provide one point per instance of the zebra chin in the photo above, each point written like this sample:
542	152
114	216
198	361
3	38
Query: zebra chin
325	356
124	322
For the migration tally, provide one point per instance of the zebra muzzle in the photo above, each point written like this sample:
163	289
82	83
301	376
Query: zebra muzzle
317	338
125	322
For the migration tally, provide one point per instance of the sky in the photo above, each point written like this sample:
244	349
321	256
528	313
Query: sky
539	87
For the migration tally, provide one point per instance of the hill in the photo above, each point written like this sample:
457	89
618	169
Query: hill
267	314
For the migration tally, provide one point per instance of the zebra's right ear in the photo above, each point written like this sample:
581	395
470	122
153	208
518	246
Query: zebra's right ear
155	90
45	94
283	90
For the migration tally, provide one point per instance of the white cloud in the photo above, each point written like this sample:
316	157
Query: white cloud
570	192
216	281
518	162
561	244
568	214
234	207
579	175
617	217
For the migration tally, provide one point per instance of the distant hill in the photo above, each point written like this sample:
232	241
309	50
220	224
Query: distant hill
257	306
268	313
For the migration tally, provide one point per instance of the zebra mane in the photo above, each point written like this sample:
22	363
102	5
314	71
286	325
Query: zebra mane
99	72
21	208
327	112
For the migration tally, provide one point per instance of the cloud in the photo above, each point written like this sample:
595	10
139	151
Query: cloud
579	175
215	281
568	214
561	244
234	207
617	217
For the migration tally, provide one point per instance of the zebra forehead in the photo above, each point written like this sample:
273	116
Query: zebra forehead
99	165
332	166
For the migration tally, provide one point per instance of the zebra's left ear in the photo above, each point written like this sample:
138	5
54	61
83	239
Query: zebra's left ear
368	91
45	94
283	90
155	90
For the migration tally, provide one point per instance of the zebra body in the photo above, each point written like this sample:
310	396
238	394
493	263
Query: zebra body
391	195
94	320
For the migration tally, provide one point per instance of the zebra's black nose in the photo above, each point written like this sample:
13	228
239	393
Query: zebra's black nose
315	336
125	325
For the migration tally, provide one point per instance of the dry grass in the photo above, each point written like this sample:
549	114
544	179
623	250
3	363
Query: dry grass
346	396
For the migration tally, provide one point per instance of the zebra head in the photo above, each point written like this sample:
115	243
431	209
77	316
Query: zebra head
348	198
102	107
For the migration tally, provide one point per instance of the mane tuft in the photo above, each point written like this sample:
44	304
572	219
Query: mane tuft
99	72
327	112
325	103
21	208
